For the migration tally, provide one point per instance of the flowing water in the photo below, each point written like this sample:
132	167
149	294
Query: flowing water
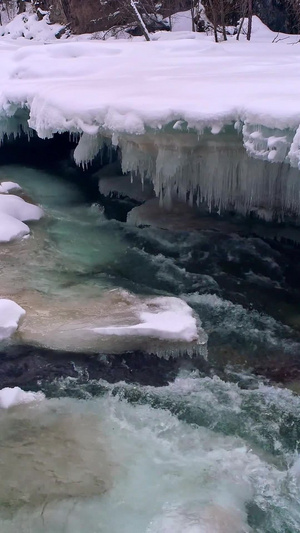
207	453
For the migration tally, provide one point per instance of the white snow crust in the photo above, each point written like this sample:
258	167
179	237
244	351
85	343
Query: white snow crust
9	397
10	316
13	212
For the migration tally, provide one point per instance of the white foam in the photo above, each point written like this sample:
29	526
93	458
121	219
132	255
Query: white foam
10	316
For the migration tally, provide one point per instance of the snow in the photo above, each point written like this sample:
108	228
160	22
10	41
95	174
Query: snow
7	186
75	86
168	318
28	26
11	228
10	316
13	212
180	82
9	397
182	21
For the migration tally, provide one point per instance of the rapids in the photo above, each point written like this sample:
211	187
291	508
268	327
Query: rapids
216	448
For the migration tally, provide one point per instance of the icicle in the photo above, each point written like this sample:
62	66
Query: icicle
87	148
216	169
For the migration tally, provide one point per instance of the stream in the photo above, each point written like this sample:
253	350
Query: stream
130	442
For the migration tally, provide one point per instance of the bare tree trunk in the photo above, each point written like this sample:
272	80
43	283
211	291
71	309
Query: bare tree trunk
21	6
240	28
139	20
193	15
222	15
214	17
250	12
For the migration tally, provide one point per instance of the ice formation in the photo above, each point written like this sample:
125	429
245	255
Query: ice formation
10	316
169	105
214	169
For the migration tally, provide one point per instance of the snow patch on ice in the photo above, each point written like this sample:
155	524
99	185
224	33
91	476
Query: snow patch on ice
166	318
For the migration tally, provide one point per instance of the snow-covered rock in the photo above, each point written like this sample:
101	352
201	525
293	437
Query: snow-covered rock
17	207
165	318
28	26
10	316
115	322
11	228
13	212
9	397
7	186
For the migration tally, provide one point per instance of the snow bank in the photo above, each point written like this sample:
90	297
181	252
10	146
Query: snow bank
179	83
9	397
7	186
10	316
13	211
75	86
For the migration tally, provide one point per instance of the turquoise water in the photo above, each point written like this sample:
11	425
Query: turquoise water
204	454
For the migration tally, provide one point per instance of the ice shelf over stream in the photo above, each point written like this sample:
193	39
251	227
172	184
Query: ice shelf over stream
186	112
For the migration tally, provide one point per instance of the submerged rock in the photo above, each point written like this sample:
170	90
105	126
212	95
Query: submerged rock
28	366
50	454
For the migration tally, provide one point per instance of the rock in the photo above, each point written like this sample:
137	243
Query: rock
178	217
50	453
112	322
31	367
